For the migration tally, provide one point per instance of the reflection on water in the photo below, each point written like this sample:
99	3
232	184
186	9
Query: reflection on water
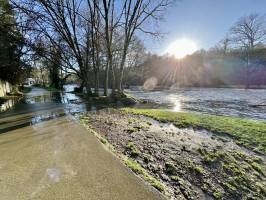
176	103
7	105
218	101
46	116
44	105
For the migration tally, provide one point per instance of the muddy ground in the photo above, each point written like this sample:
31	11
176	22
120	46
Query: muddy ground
192	164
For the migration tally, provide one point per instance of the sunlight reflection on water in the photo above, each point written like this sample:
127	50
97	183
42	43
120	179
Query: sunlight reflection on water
217	101
177	106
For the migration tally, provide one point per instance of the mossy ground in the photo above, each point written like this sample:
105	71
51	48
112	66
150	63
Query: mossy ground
138	169
130	163
249	133
190	164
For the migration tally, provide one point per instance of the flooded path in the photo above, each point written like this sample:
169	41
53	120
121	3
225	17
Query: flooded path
45	154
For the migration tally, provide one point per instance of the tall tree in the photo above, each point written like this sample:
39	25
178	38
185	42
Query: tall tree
11	44
248	33
136	13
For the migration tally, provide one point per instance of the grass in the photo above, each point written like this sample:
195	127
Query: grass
249	133
134	151
198	169
135	167
210	157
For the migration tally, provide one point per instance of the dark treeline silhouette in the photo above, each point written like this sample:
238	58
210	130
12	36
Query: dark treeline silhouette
97	42
202	69
13	68
238	60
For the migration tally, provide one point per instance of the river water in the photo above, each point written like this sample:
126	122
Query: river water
246	103
249	103
217	101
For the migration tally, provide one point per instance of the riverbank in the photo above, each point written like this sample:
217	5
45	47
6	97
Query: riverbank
192	156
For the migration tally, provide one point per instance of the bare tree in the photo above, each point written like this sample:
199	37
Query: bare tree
92	33
248	33
135	14
52	18
222	47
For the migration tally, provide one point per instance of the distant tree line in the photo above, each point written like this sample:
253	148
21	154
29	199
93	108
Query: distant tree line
97	42
239	59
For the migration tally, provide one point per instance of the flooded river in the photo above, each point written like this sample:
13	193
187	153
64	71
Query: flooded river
249	103
218	101
63	160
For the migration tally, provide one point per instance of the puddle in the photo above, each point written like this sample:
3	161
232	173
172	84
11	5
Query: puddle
44	117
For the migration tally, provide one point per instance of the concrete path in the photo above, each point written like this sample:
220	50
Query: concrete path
59	159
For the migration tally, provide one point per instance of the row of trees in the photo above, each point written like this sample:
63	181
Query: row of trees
12	65
94	39
239	59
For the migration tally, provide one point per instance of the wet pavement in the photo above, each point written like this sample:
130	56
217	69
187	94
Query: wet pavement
46	154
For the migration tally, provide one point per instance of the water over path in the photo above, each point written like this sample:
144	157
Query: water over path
45	154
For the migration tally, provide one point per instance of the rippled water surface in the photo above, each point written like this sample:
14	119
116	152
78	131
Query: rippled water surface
249	103
219	101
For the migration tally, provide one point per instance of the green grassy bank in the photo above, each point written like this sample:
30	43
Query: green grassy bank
249	133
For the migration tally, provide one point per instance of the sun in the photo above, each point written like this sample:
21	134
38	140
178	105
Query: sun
181	48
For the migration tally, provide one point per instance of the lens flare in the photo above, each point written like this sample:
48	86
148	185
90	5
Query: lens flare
181	48
150	83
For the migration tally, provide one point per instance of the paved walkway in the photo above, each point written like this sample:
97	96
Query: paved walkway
59	159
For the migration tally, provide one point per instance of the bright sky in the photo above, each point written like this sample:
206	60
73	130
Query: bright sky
203	21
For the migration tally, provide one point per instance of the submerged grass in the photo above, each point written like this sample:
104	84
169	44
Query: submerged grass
133	165
249	133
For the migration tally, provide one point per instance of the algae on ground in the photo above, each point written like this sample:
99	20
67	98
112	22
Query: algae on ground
249	133
133	165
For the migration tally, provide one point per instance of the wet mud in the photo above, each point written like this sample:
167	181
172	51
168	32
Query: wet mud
192	164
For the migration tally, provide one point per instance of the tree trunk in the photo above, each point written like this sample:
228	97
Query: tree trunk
106	80
121	70
81	86
113	76
247	72
96	83
88	88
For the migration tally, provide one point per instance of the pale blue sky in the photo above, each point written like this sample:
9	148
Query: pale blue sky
204	21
